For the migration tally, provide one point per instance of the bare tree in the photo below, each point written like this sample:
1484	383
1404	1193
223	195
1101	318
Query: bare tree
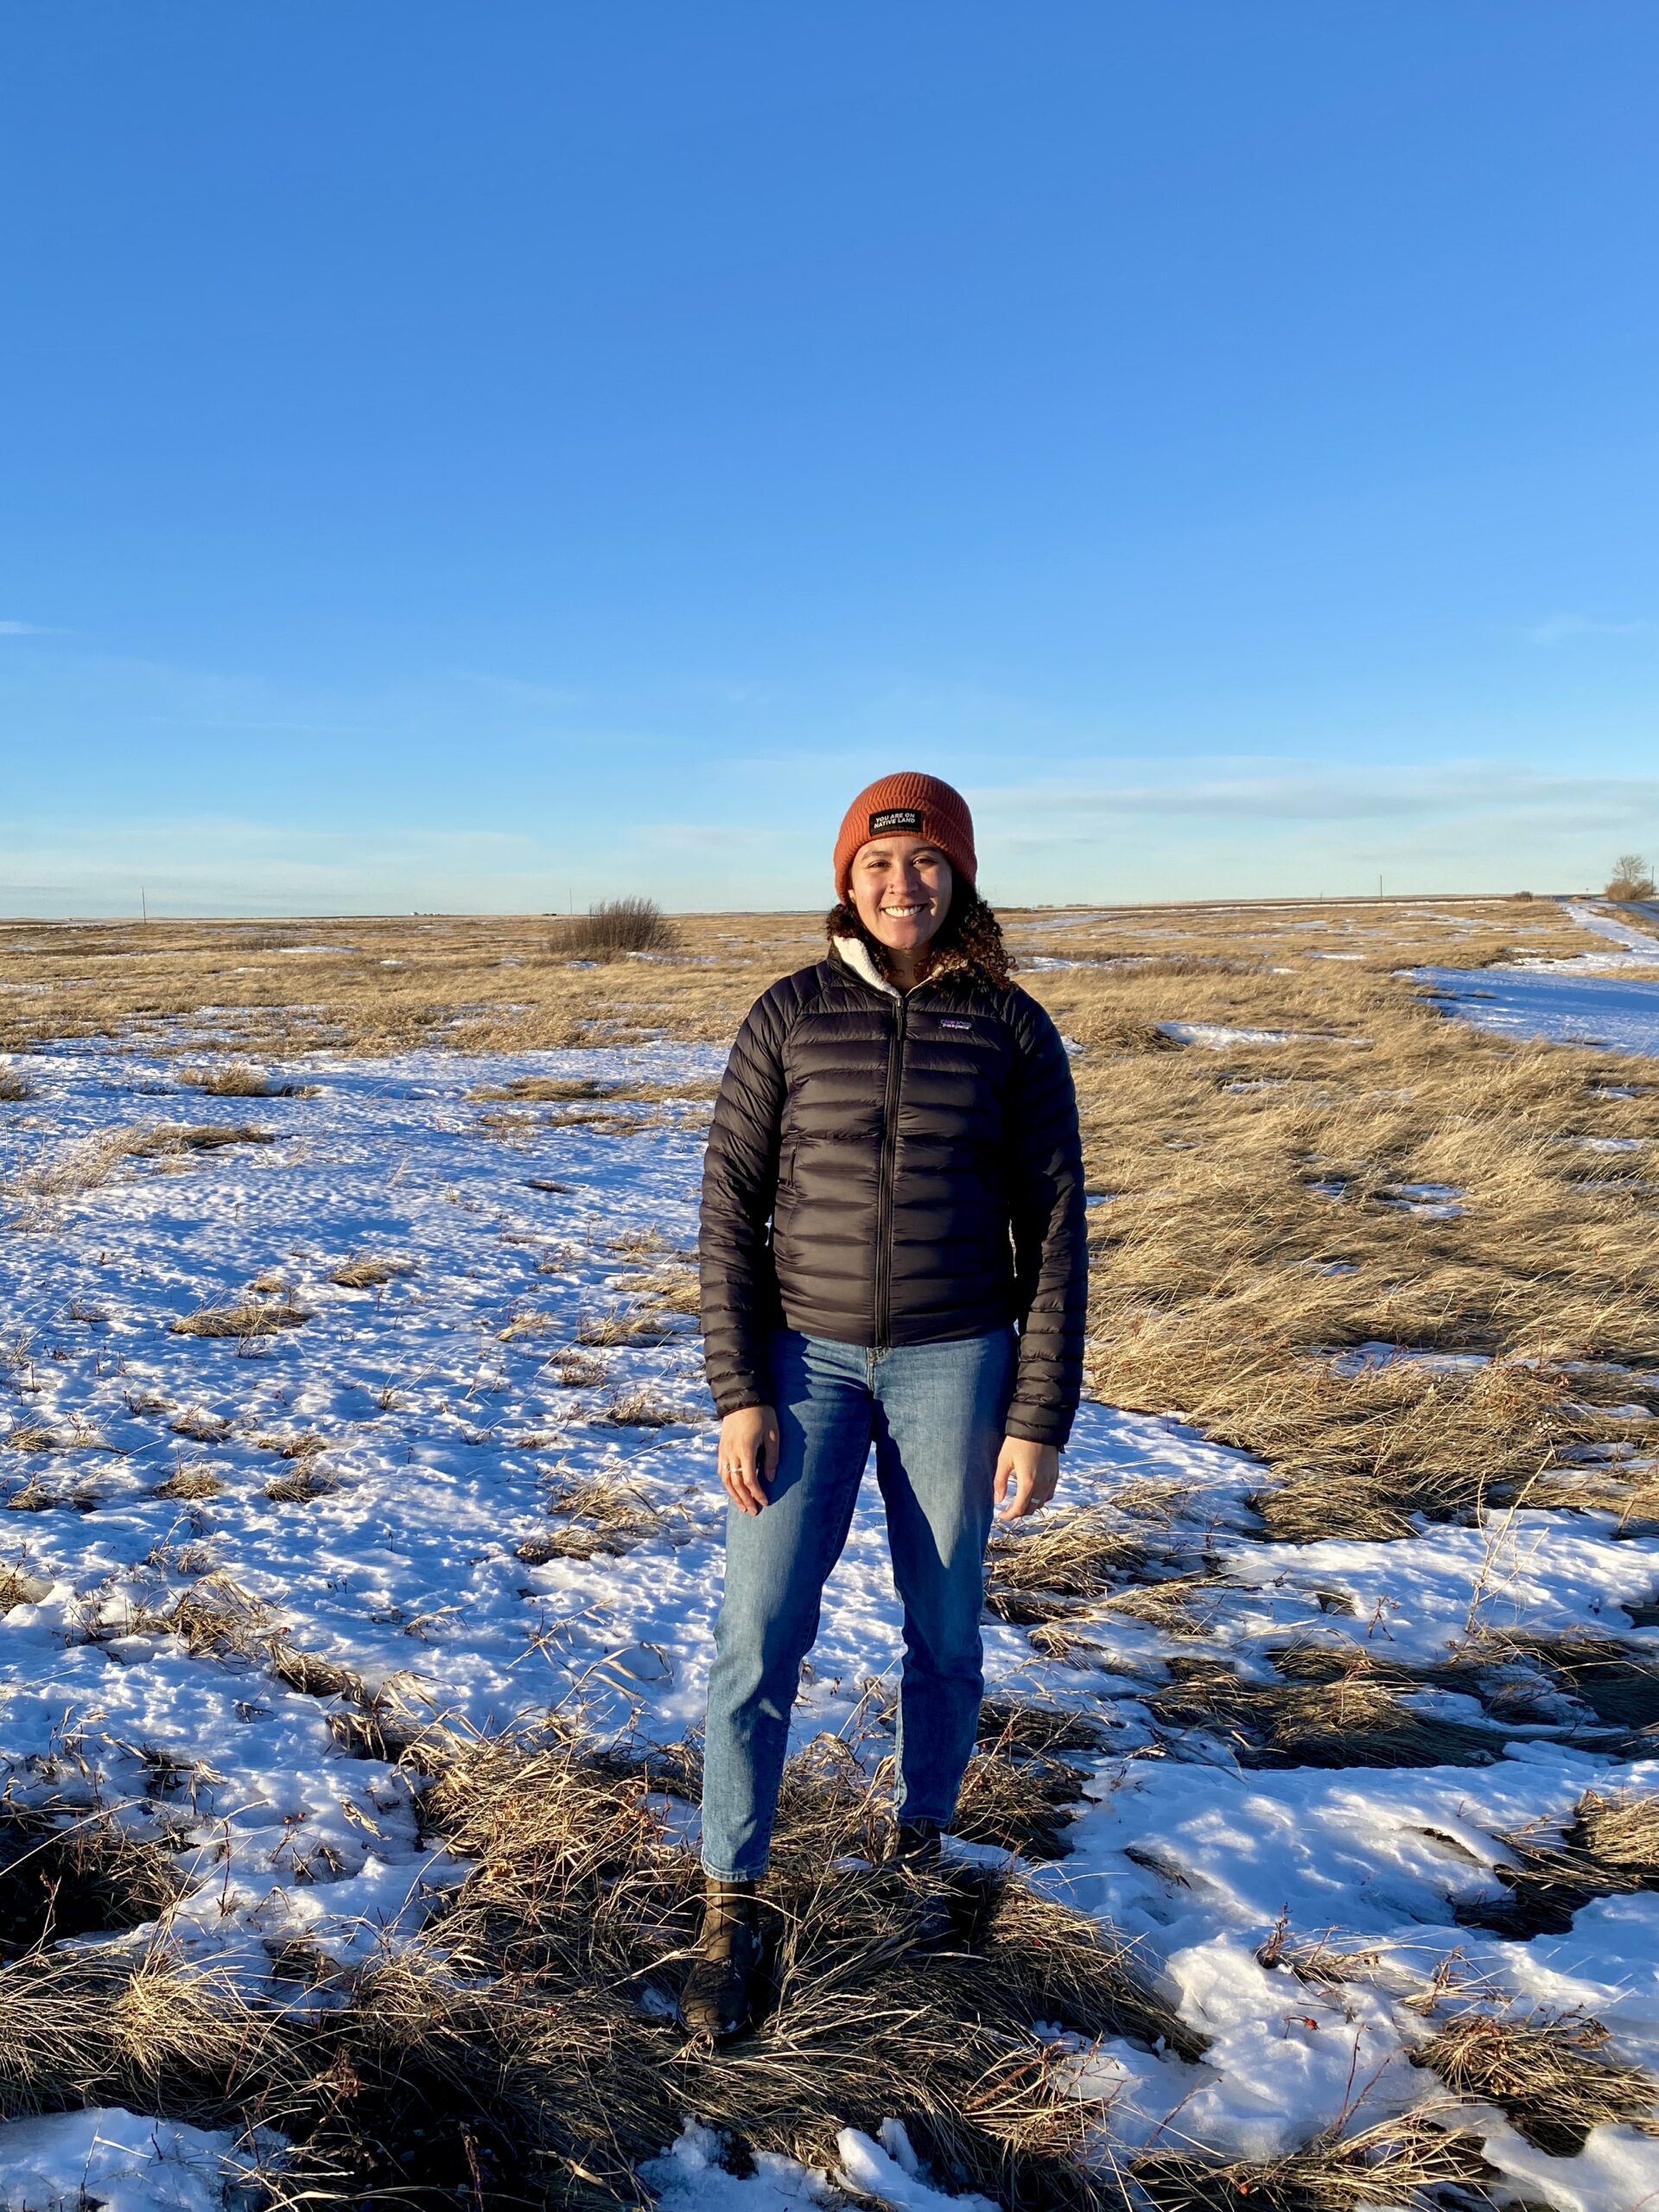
1631	878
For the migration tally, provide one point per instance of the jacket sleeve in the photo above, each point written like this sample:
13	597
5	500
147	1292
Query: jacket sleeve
739	1289
1051	1251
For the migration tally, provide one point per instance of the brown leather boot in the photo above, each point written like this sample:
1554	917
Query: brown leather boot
718	1998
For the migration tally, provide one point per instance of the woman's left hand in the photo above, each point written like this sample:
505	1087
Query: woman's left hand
1026	1475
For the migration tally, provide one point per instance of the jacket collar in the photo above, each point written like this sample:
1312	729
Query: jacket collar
855	955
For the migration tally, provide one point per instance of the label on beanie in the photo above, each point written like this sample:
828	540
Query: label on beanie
895	818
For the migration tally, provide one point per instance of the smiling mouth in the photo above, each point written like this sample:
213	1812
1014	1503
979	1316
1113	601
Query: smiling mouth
904	913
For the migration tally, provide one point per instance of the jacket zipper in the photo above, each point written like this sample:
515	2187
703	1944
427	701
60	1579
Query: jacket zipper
884	1193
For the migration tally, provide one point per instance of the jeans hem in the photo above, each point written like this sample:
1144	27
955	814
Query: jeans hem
733	1874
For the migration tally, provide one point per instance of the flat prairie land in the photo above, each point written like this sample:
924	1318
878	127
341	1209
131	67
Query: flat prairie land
364	1547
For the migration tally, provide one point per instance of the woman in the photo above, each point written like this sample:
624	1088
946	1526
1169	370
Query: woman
893	1252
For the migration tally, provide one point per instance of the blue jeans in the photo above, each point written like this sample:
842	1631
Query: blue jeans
935	1413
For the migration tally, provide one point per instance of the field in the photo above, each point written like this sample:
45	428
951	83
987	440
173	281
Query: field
362	1548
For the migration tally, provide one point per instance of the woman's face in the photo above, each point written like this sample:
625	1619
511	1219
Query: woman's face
901	890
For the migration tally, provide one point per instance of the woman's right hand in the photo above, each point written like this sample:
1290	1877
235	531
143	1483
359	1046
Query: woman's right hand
748	1455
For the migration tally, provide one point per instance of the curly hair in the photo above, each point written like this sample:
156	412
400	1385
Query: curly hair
970	938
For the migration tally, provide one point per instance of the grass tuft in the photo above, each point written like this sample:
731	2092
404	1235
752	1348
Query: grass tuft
199	1426
1549	2073
174	1140
67	1874
1405	2164
252	1318
367	1273
1352	1719
241	1080
188	1483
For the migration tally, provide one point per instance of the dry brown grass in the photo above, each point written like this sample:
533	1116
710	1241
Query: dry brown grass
618	1324
300	1445
452	984
573	1368
1355	1719
1406	2163
254	1317
302	1486
1073	1557
175	1139
665	1290
189	1483
641	1407
19	1587
241	1079
598	1517
366	1271
199	1426
31	1436
1610	1847
1549	2073
1209	1293
507	2057
65	1873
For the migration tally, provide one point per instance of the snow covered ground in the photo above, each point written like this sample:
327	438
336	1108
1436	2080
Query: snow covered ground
1601	996
452	1417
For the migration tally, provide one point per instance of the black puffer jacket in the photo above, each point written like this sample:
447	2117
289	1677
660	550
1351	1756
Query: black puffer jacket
896	1171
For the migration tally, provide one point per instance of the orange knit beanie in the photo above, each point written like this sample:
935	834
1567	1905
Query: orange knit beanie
909	802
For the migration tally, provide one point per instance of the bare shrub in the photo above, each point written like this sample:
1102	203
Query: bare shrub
1631	878
615	927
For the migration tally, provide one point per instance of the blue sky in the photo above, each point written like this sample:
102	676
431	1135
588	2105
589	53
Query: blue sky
496	457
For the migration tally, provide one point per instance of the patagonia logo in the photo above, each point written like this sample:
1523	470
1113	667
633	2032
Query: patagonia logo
946	1023
895	818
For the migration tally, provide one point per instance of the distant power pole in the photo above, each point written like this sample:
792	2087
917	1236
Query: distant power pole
143	903
1379	886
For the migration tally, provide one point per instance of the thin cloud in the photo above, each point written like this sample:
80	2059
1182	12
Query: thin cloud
24	630
1557	629
1323	795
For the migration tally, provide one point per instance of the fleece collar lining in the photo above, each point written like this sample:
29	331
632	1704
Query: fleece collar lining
856	954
